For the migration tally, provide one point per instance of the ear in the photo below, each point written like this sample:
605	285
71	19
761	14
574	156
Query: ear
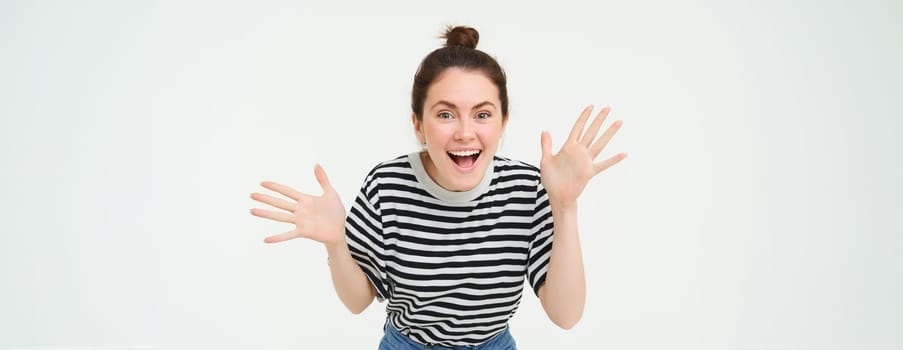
418	128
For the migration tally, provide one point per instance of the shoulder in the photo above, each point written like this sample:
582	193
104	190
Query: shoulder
507	166
515	175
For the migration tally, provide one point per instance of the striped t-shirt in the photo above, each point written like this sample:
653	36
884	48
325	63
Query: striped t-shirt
451	264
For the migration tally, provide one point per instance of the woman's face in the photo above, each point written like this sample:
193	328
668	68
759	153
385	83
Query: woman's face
461	126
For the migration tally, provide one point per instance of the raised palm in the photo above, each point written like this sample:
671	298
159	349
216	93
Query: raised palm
320	218
565	175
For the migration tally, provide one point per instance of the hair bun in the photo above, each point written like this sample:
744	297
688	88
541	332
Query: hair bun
461	36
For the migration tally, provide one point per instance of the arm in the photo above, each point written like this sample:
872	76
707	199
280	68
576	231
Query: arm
564	293
564	176
349	281
322	219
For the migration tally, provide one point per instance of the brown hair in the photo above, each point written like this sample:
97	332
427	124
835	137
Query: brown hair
460	51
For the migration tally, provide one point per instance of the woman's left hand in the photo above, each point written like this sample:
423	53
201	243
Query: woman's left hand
565	175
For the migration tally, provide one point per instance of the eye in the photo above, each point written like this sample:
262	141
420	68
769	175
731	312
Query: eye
445	115
483	115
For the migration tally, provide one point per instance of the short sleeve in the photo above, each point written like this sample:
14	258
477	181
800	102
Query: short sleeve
364	233
541	240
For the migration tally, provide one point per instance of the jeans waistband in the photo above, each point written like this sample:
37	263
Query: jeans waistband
398	341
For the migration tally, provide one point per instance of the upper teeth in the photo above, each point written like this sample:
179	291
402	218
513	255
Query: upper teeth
464	153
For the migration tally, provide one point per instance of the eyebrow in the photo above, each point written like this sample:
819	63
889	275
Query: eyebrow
453	106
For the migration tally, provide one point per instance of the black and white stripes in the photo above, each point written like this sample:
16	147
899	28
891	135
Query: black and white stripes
451	264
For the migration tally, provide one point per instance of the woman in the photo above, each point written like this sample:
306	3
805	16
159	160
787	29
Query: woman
447	235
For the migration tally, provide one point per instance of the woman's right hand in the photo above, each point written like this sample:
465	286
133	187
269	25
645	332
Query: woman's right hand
320	218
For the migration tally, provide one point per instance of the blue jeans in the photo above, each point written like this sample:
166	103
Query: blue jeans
394	340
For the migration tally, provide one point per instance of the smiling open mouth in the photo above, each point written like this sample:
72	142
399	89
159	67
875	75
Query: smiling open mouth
465	159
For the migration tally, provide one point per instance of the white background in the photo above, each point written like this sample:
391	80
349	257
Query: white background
760	207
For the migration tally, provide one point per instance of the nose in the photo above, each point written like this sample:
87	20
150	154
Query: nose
465	129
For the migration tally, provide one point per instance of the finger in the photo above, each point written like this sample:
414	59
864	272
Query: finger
599	167
546	141
600	144
276	202
590	134
578	125
272	215
322	178
283	189
282	237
